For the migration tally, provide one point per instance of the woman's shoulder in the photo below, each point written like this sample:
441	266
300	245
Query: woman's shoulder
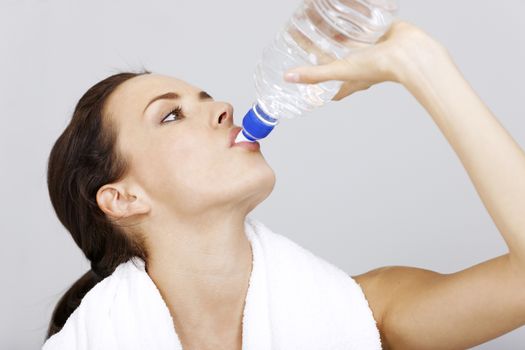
311	288
286	252
297	266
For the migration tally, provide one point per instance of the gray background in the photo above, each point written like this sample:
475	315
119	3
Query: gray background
384	189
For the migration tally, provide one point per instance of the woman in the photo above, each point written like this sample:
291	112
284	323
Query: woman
145	169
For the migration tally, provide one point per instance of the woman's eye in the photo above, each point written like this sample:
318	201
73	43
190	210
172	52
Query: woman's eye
177	112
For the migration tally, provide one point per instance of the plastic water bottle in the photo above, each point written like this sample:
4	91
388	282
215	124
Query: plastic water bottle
318	32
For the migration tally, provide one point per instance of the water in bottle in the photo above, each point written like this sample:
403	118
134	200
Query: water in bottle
318	32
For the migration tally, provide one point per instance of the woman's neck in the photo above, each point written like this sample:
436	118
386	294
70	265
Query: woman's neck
202	270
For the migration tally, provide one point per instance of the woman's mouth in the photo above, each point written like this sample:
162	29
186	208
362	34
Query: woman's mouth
248	145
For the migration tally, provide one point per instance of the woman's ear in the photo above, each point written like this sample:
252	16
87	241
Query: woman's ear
118	202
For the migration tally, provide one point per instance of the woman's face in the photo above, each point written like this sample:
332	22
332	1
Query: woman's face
183	161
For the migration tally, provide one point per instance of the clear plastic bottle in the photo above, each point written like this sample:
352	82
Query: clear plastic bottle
318	32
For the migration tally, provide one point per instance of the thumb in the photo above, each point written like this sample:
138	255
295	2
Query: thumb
335	70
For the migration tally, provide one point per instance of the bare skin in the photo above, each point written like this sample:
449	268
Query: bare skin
188	193
417	308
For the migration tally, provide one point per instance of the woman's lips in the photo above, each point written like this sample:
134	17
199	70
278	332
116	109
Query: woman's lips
233	134
249	145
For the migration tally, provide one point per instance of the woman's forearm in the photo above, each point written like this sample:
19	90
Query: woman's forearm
493	160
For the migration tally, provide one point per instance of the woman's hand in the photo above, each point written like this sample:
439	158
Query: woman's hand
395	57
495	163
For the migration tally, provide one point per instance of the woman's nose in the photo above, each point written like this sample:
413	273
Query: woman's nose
223	114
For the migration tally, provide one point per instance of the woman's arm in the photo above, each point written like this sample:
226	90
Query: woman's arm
459	310
493	160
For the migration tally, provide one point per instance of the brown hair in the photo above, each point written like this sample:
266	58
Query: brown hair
83	159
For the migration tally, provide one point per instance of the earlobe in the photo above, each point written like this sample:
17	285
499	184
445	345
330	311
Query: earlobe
116	203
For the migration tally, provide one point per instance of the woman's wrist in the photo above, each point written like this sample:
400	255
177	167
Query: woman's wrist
433	79
417	58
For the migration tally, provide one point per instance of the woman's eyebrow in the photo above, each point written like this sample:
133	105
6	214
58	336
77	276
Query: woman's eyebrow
203	95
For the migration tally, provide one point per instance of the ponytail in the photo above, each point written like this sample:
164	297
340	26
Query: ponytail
70	301
83	159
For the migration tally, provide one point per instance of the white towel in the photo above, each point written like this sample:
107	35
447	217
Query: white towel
295	301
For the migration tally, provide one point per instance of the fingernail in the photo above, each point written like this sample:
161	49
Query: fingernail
292	77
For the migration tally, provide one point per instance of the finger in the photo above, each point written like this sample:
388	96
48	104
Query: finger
345	90
350	88
359	65
336	70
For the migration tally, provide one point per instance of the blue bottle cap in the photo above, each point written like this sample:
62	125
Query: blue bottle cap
257	124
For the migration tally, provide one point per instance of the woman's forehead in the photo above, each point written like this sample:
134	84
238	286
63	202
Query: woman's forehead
137	91
149	84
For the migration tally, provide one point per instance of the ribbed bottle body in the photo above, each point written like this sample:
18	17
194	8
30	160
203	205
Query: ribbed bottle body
318	32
